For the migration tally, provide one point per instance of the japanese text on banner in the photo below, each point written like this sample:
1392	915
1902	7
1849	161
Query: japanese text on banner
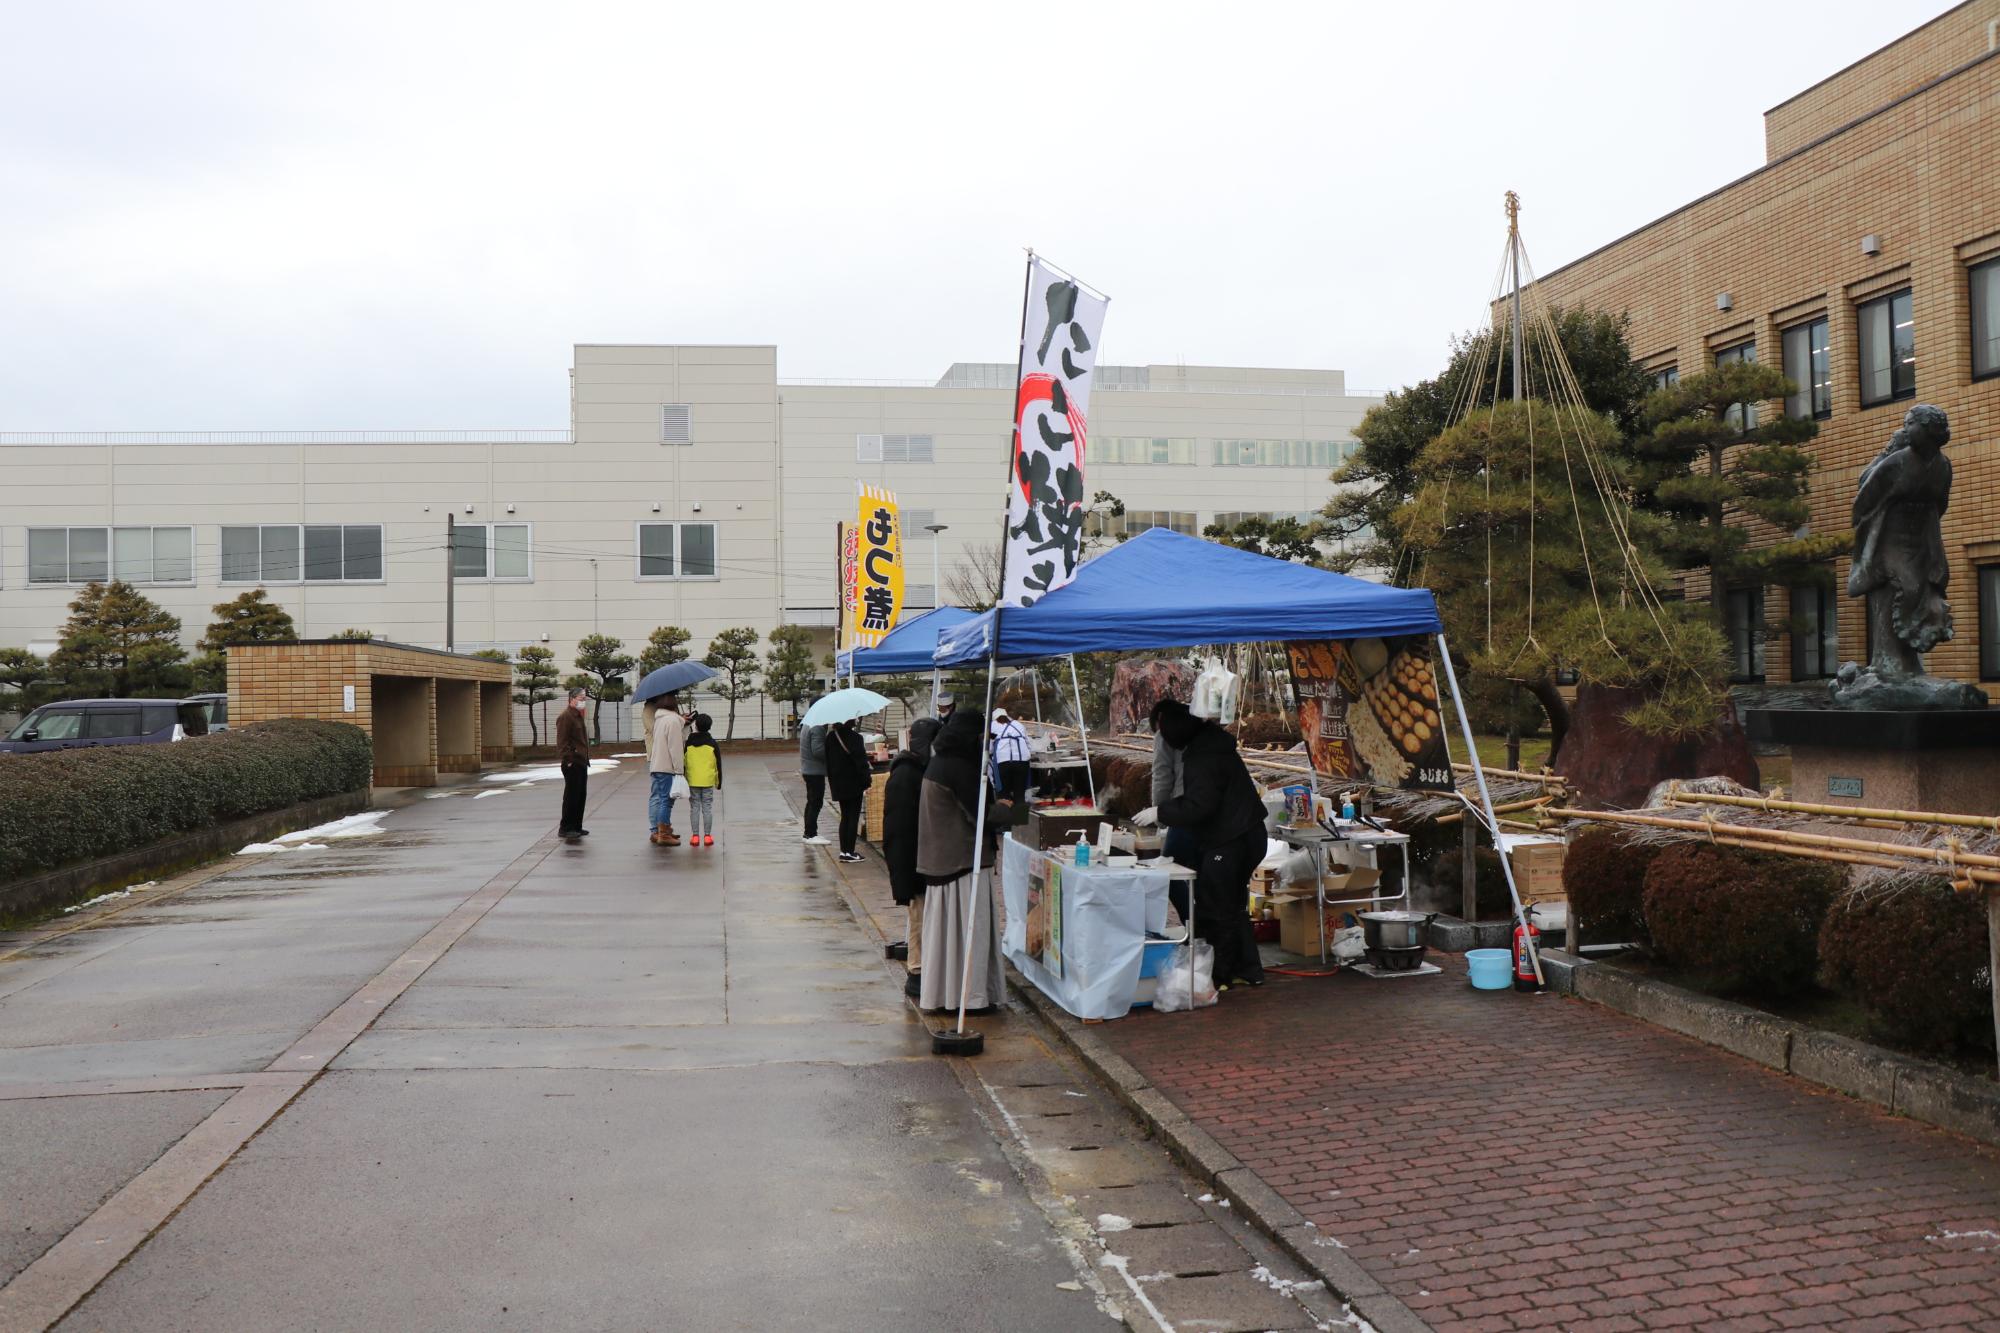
875	590
1046	499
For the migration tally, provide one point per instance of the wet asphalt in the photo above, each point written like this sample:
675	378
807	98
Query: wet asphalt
646	1088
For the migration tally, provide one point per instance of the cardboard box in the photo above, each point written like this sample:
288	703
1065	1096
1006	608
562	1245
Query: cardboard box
1538	870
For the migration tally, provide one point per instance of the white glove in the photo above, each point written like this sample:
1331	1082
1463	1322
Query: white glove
1148	817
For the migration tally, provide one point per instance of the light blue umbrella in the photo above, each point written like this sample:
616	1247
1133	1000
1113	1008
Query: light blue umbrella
845	706
673	676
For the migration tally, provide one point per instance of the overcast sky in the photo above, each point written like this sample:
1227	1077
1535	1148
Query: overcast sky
317	215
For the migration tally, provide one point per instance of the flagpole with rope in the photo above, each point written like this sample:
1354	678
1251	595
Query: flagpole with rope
956	1040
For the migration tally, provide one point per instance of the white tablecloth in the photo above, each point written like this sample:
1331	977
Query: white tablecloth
1105	916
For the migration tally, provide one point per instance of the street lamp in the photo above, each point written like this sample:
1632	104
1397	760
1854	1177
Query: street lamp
937	677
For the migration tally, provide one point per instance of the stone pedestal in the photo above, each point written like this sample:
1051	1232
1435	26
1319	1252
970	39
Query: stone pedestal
1942	760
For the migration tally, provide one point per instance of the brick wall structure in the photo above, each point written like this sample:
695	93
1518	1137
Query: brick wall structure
398	691
1921	174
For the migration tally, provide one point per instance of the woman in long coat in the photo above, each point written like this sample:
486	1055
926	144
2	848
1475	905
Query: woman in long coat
847	779
945	833
902	796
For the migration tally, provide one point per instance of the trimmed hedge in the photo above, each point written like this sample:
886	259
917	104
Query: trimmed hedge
1746	921
1916	959
1604	877
64	806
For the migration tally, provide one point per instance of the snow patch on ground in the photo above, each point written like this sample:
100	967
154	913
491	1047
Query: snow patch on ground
1109	1222
366	824
107	897
439	795
1282	1285
497	791
260	848
547	773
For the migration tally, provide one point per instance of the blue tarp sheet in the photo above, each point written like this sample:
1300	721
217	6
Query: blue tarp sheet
1165	590
908	647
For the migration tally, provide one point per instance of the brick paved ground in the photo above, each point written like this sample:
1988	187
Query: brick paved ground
1503	1161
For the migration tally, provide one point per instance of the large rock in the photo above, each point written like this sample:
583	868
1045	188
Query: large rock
1137	685
1614	766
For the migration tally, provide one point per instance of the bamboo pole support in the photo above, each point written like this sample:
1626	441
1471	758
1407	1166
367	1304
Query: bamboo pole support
1509	808
1546	779
1991	823
1890	852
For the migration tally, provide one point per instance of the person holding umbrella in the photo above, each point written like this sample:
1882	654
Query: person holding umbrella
847	770
666	759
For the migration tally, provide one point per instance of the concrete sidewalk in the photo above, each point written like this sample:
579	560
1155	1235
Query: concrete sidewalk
459	1075
1502	1161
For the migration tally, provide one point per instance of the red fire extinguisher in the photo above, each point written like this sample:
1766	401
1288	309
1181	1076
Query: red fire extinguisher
1524	964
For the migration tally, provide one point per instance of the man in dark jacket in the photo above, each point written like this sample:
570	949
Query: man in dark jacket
812	767
847	779
902	797
573	755
1219	808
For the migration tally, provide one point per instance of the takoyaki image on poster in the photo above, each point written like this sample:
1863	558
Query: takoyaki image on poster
1375	716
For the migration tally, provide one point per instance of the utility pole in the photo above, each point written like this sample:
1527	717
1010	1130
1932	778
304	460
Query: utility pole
937	600
450	577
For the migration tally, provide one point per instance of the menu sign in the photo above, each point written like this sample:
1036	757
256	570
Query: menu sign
1370	712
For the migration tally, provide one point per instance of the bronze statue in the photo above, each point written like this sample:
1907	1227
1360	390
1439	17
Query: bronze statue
1901	569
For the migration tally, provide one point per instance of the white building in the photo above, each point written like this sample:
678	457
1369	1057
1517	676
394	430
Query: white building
693	488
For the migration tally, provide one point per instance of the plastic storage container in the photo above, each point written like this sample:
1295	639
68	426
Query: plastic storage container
1492	969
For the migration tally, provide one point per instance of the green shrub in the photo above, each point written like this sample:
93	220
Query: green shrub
1604	878
1746	922
1916	959
62	806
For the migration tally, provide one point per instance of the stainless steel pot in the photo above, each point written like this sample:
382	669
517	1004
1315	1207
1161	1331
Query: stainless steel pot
1395	930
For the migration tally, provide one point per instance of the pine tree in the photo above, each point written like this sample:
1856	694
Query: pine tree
665	646
118	642
1281	539
356	635
789	672
734	653
249	618
1699	467
601	671
20	673
1380	477
1532	576
535	680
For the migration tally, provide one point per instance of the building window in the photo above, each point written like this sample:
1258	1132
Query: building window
1744	623
1743	416
1325	454
1815	631
1666	377
1888	349
907	448
302	553
1986	319
1989	622
92	555
496	552
1135	521
1810	369
677	551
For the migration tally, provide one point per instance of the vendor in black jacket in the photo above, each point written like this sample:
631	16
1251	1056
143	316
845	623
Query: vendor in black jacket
1219	807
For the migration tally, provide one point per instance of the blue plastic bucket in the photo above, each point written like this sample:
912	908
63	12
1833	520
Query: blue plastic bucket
1156	957
1492	969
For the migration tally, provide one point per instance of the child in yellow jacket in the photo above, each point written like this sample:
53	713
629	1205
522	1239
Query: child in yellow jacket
704	779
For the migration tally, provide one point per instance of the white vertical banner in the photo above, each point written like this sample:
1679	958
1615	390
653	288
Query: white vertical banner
1046	496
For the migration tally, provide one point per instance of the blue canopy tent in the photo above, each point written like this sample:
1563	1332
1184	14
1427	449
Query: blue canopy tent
908	647
1165	590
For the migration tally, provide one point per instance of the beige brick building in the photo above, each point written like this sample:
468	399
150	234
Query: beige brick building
1863	258
428	712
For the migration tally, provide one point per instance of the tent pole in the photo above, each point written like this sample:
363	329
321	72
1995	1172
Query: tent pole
978	846
1486	804
1083	730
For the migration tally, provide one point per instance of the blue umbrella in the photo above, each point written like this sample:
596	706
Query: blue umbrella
844	706
671	677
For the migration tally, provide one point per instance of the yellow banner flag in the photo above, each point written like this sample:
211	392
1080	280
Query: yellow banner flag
874	592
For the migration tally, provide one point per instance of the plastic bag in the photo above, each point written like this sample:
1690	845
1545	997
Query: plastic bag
1171	995
1348	945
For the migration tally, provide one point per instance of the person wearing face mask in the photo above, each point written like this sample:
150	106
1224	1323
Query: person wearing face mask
1219	808
573	756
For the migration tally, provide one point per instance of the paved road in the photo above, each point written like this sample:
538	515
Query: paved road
459	1075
